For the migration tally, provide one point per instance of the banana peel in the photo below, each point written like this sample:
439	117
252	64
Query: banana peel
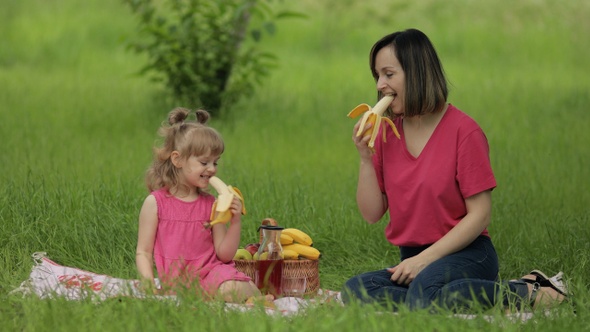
374	116
220	212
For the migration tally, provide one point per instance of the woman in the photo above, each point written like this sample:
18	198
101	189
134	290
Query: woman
436	181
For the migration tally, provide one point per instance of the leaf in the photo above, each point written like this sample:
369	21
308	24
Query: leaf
291	14
256	34
270	27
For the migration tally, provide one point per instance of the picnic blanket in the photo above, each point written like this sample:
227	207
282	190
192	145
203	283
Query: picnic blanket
51	280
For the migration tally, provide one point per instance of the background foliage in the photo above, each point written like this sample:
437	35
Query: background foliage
77	128
206	52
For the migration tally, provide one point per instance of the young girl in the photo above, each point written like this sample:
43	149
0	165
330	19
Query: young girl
171	222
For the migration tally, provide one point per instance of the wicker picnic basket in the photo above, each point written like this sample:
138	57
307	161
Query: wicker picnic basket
292	268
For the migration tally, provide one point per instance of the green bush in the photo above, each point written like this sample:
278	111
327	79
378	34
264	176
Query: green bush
206	52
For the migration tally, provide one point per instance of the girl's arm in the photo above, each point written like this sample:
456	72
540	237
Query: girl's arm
148	224
479	207
227	239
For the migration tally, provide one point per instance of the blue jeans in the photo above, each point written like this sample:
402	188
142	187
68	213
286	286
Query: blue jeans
455	282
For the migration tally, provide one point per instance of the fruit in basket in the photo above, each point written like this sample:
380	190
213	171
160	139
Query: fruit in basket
252	248
298	236
290	254
303	250
286	239
220	212
242	254
261	257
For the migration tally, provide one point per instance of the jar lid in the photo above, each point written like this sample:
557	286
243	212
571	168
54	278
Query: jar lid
272	228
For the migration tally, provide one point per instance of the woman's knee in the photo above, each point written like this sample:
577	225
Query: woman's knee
357	286
368	287
353	288
425	288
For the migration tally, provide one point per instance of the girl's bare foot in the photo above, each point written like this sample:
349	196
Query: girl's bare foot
266	300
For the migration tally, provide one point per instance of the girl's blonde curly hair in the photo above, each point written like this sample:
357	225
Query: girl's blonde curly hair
189	138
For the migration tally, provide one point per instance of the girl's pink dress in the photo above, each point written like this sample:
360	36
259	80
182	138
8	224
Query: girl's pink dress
183	250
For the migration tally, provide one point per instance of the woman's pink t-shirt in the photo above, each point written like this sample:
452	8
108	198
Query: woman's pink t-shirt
426	195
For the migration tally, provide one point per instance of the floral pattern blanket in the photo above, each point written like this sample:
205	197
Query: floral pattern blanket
50	280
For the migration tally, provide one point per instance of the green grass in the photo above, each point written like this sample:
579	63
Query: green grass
77	128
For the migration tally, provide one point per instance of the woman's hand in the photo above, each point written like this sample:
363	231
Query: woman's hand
479	207
406	271
362	142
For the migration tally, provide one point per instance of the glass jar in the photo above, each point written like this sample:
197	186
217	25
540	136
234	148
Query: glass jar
269	261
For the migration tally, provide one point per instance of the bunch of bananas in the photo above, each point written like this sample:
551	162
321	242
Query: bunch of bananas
296	244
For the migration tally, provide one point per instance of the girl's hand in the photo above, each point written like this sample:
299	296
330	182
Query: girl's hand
148	286
406	271
236	210
362	142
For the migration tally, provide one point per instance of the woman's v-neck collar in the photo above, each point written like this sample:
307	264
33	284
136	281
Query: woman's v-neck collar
434	133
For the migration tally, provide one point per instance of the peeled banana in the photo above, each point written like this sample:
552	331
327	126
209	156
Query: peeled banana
375	117
220	212
303	250
298	236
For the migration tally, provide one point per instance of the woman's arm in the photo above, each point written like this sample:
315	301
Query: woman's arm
227	239
479	207
148	224
371	201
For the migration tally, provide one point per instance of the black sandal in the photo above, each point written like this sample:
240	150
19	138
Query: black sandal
541	280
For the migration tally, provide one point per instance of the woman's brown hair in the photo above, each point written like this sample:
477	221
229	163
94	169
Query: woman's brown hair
426	85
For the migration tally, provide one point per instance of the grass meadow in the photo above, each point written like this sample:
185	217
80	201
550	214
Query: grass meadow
77	126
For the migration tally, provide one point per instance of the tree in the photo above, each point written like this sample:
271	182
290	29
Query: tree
196	47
